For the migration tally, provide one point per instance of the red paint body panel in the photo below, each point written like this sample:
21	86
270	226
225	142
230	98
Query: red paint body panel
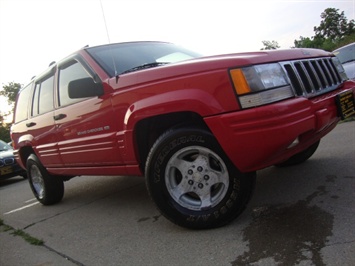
257	138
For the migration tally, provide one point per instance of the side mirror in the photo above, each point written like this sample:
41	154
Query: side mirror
83	88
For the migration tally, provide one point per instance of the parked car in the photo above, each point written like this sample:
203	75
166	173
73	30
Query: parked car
8	165
346	55
197	127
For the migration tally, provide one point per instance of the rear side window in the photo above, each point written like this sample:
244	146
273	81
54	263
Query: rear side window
21	112
69	72
43	97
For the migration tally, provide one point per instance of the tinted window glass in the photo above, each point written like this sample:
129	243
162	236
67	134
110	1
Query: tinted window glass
4	146
46	102
67	73
346	54
35	100
125	56
21	111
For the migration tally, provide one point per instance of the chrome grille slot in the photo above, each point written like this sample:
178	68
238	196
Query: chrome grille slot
312	77
7	161
292	75
316	84
305	80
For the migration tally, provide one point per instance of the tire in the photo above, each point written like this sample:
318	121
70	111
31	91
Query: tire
300	157
193	183
47	189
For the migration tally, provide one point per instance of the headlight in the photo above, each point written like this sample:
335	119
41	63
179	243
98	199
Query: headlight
260	84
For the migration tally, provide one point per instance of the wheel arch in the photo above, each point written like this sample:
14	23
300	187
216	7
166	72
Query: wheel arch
24	153
148	130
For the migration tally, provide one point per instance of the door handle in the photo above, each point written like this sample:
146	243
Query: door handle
59	117
30	124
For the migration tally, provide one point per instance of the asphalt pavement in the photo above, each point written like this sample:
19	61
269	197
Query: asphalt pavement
299	215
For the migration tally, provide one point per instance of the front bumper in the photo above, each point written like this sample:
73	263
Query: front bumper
257	138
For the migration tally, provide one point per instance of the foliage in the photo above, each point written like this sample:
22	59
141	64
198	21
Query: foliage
5	132
270	45
30	239
17	232
333	32
4	128
334	26
10	91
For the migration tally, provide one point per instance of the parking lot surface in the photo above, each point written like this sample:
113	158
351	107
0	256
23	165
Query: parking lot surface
299	215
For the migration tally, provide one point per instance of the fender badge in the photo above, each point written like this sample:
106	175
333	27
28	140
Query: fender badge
305	52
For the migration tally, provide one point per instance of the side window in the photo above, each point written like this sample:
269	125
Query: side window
46	102
21	111
68	72
35	100
43	96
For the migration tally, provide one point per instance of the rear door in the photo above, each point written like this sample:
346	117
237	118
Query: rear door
41	129
85	127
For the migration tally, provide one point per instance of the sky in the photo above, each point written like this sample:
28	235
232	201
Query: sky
34	33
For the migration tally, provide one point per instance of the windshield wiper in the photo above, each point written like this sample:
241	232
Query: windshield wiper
145	66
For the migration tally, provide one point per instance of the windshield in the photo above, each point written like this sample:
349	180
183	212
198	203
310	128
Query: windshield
346	54
4	146
126	56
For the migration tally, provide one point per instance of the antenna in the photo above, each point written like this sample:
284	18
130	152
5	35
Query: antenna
108	38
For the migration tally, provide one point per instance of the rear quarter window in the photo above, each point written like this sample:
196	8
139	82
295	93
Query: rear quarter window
46	102
43	101
21	110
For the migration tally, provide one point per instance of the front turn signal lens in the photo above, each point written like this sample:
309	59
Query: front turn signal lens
240	83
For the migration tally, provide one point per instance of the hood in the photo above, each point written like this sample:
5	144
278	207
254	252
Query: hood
215	63
6	154
350	69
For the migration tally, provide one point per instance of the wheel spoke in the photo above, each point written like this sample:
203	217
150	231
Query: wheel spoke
181	189
218	177
206	201
180	164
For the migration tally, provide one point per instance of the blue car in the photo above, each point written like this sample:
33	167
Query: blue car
8	165
346	55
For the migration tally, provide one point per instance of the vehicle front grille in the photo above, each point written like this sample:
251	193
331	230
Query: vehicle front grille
312	77
7	161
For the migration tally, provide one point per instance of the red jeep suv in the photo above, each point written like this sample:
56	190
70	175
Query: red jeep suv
198	128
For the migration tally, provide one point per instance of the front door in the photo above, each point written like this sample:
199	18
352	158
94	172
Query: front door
86	130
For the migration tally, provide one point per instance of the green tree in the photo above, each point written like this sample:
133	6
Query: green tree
334	25
304	42
10	92
4	130
270	45
334	31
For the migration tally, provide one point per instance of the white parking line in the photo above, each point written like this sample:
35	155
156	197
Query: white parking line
30	200
24	207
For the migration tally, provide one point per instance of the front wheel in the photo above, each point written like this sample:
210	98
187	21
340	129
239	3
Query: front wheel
47	189
193	182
